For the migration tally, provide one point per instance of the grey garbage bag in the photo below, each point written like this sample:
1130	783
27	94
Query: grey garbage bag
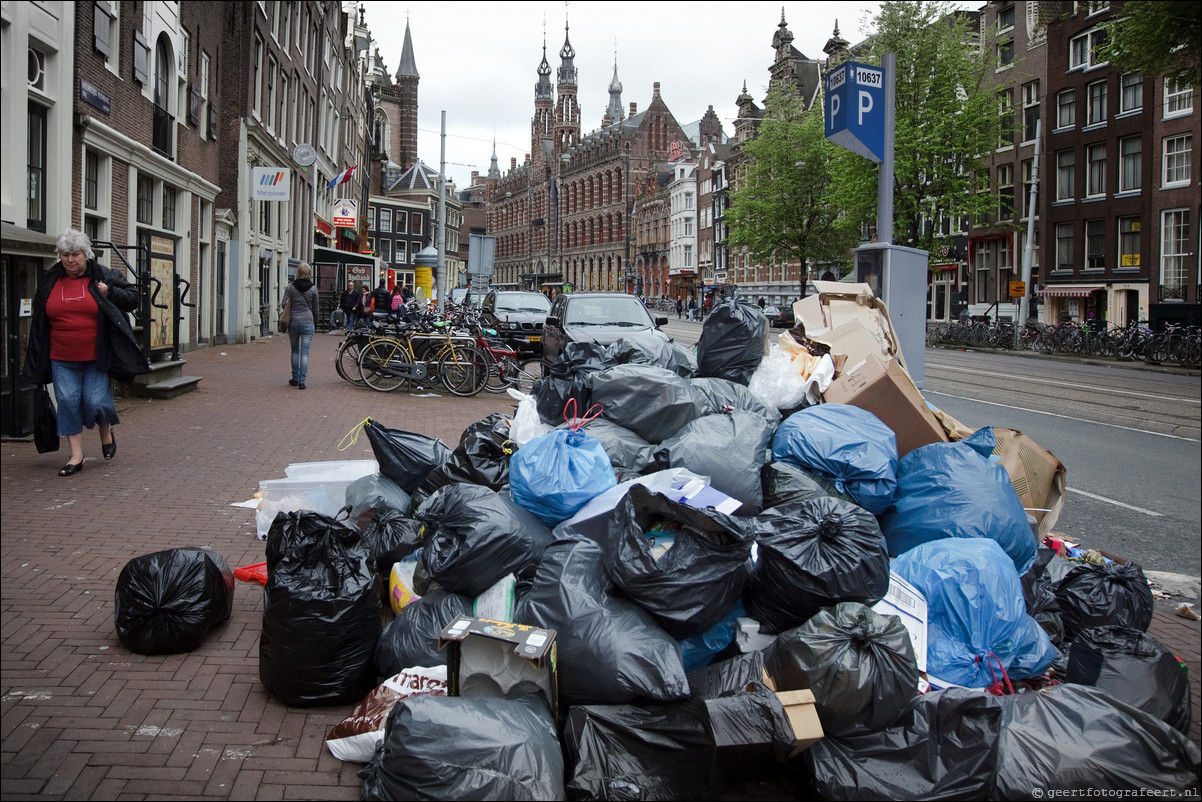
611	650
722	395
653	351
652	402
454	747
411	639
626	449
730	449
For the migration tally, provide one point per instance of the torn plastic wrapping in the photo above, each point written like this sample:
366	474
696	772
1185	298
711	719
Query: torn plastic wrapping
169	601
785	380
859	665
411	639
1113	594
443	747
652	402
405	457
729	448
611	650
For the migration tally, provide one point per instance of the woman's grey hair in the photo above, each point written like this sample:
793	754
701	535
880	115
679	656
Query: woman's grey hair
304	270
73	240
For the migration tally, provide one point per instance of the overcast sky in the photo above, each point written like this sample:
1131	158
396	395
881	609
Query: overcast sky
479	62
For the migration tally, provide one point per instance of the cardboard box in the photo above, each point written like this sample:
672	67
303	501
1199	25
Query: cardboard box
803	718
884	389
910	605
492	658
850	319
1038	477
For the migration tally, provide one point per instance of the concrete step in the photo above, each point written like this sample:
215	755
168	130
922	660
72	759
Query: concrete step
167	388
160	371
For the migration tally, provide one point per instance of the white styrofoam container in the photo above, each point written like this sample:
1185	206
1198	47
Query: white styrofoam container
335	469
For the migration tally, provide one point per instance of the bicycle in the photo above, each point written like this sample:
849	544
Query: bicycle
416	356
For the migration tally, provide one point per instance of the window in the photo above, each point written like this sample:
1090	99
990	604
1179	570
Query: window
401	254
91	180
1129	241
981	261
1064	175
1005	53
1174	252
1096	106
285	24
283	118
269	105
257	75
1005	192
688	200
402	222
265	208
1177	160
145	200
1131	98
386	220
1098	6
1096	155
1095	244
1005	18
416	221
105	29
1064	246
1083	50
688	226
386	250
163	123
205	63
1131	158
36	164
1178	98
141	58
1066	109
1005	111
688	256
1030	110
168	207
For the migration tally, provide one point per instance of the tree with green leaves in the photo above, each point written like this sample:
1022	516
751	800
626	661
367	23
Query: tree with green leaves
781	206
946	121
1156	38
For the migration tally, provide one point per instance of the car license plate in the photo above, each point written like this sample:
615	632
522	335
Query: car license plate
534	339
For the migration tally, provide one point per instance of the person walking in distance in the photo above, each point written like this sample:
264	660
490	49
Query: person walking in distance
349	303
381	298
79	339
692	309
679	308
303	323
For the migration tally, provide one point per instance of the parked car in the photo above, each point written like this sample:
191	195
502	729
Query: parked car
779	317
518	318
600	317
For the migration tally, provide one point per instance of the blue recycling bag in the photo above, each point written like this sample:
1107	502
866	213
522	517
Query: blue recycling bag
978	629
557	473
954	490
846	443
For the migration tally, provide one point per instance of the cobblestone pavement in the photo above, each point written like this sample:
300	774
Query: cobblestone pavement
83	717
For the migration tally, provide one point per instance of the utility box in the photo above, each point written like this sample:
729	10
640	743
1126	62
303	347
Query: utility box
898	276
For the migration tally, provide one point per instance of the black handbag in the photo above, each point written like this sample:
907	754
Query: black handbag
45	423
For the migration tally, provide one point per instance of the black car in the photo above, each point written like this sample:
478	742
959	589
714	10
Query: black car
517	316
601	317
779	317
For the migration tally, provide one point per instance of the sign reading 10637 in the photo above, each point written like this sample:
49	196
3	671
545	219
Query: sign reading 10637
855	109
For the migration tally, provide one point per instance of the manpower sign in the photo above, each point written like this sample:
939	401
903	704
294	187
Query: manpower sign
271	183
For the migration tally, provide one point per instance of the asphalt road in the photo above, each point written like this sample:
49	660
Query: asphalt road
1129	439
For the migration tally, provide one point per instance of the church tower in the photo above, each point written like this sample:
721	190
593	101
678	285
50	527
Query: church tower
614	111
405	137
543	126
567	112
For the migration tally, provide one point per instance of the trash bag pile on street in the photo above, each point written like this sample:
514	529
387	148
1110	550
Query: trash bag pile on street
731	589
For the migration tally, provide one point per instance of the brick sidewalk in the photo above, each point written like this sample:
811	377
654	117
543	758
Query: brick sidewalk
84	718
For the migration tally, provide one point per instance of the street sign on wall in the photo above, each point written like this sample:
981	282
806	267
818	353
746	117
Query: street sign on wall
271	183
346	213
854	109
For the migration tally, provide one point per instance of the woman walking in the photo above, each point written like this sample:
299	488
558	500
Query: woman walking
303	321
79	339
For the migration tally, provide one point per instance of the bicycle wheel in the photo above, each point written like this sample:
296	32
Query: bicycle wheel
463	370
502	374
529	372
380	364
347	360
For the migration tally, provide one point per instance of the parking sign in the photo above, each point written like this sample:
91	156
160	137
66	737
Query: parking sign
854	109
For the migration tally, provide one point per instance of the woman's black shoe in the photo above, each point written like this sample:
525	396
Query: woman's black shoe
70	470
293	382
109	450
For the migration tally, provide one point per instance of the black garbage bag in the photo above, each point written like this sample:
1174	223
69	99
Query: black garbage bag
783	482
568	378
168	601
814	554
475	536
1104	595
1134	668
752	731
730	449
321	612
1039	592
481	458
611	651
725	676
689	587
1068	737
453	747
391	537
646	752
943	748
371	495
653	351
405	457
859	665
625	448
722	395
732	341
652	402
411	639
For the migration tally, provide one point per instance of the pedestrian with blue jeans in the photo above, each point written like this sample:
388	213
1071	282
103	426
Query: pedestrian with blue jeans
348	303
302	323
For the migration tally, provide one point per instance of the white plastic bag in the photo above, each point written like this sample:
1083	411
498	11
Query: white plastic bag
776	383
526	423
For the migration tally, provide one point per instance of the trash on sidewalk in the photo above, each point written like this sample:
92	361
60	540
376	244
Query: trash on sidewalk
731	345
315	486
500	659
1187	611
1104	595
168	601
355	737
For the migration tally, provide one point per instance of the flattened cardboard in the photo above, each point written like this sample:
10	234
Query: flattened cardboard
884	389
837	304
1038	477
491	658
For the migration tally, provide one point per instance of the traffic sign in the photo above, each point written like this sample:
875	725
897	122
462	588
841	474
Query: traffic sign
1018	289
854	109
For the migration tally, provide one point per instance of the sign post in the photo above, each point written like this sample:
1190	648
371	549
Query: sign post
859	115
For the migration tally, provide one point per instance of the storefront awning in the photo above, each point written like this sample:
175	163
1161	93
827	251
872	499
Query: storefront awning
1071	290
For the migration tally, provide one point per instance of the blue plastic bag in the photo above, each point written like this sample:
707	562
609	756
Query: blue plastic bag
951	490
846	443
978	629
557	473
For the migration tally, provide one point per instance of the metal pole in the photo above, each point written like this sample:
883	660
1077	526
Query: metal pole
1024	302
884	185
442	219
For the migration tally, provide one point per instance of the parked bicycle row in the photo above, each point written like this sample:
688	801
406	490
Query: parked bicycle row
1175	345
422	349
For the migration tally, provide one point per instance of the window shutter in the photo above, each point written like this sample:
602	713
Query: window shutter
212	121
193	105
141	58
100	29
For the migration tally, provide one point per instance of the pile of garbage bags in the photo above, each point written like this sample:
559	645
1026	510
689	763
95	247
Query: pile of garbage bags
720	576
